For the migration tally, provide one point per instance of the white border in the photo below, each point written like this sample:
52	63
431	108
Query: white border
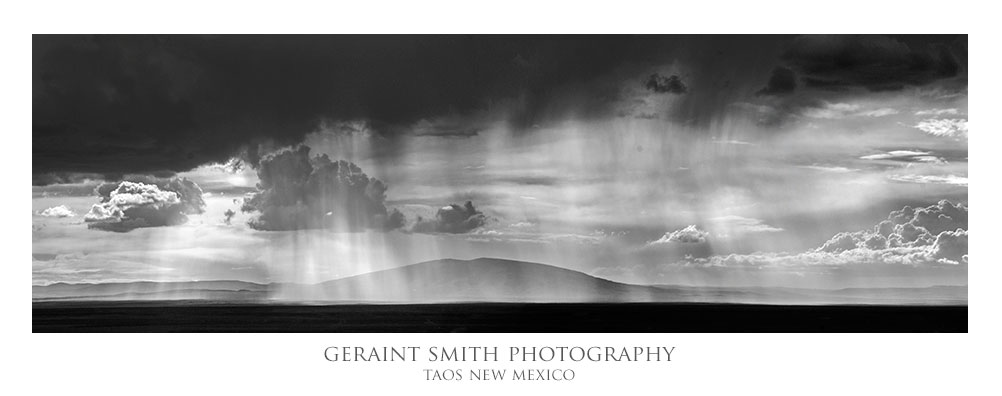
911	364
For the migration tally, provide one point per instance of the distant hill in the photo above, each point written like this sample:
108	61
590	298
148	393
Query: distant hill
146	290
483	279
932	295
486	280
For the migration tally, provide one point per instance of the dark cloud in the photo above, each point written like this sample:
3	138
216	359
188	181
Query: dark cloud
816	71
877	63
128	205
106	106
297	191
661	84
783	81
144	104
113	105
452	219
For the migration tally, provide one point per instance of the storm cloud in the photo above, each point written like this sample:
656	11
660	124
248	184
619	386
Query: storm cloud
297	191
876	63
106	106
661	84
783	81
111	105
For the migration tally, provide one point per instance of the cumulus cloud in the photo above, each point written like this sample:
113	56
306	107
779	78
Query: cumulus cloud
907	228
130	205
933	235
189	194
946	127
690	234
661	84
297	191
452	219
57	211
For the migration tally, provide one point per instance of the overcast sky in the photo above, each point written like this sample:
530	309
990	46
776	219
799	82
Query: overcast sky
705	160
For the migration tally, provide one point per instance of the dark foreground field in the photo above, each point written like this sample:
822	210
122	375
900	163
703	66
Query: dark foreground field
516	317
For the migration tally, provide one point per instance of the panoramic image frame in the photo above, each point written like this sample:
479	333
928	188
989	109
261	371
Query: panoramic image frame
499	183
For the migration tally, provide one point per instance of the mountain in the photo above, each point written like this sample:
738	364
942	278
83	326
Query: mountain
932	295
483	279
486	280
146	290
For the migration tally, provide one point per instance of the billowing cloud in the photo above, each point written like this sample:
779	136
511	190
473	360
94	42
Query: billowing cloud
452	219
130	205
189	193
946	127
926	228
297	191
661	84
933	235
57	211
690	234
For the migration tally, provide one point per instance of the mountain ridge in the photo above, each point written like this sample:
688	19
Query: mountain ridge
484	279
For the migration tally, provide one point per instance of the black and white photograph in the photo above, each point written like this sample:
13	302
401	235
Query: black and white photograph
499	183
494	198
